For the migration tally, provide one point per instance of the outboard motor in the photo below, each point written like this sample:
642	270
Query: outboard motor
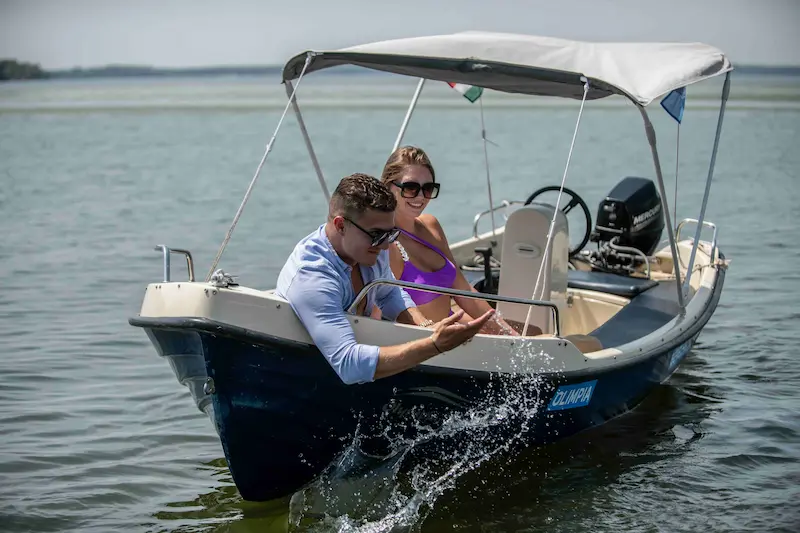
628	226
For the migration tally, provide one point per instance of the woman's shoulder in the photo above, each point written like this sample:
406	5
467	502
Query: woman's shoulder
431	228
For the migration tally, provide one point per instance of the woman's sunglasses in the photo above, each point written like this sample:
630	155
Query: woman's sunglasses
378	236
410	189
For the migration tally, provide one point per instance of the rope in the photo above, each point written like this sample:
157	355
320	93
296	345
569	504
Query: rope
555	213
258	171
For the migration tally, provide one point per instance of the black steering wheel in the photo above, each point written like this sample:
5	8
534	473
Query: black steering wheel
574	200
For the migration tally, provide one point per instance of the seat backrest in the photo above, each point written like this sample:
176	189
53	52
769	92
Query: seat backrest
523	251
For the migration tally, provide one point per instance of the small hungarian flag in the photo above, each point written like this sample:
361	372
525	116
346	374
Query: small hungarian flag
470	92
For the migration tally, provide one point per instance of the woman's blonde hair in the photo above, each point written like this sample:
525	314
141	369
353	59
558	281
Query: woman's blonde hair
403	157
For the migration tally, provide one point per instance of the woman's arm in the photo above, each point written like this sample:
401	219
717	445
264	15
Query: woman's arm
472	306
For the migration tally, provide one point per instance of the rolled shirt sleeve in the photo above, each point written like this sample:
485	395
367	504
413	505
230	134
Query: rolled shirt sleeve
317	301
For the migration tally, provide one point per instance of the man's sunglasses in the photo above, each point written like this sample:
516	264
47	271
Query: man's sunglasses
410	189
378	236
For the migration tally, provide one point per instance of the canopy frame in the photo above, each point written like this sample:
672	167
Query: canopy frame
504	77
533	65
726	87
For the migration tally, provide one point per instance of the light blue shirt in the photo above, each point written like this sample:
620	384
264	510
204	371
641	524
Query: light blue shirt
317	284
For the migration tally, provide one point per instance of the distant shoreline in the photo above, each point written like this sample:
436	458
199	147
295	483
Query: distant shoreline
276	70
142	71
135	71
114	71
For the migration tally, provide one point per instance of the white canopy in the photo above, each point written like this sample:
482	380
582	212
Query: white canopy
533	65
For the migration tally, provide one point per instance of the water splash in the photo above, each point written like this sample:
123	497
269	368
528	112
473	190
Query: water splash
366	494
497	319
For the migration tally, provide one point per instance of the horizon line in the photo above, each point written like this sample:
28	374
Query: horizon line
275	66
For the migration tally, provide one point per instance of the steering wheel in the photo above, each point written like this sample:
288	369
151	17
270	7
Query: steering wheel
574	200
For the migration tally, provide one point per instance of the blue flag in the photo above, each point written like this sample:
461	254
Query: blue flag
674	103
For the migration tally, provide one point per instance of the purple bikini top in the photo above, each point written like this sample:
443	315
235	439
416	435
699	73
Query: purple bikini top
444	277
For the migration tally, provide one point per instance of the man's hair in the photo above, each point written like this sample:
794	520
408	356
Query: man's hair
358	192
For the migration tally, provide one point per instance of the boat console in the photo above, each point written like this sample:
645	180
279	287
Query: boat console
596	284
628	228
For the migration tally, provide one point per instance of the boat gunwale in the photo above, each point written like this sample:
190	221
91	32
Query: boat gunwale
215	327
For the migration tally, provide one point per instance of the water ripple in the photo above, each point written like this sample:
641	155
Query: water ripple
97	435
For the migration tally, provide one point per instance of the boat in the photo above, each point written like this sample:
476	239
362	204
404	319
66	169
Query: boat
283	415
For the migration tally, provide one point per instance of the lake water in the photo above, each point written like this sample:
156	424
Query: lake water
97	435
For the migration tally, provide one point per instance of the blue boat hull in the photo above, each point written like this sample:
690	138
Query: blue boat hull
283	415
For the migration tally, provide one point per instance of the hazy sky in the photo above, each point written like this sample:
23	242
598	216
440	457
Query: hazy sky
67	33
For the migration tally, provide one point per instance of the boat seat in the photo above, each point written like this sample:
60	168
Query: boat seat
645	313
523	253
624	286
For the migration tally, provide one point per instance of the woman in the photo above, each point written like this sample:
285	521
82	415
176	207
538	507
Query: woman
421	253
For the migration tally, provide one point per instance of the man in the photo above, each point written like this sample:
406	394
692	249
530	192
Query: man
329	267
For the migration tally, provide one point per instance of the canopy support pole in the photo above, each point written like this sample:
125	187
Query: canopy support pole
651	138
410	112
677	166
725	91
268	149
486	160
307	140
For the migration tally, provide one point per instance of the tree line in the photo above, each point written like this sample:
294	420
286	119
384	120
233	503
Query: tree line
11	69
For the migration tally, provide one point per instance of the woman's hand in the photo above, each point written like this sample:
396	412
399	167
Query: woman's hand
507	329
498	326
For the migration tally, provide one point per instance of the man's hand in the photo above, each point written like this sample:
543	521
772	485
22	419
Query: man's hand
447	334
450	333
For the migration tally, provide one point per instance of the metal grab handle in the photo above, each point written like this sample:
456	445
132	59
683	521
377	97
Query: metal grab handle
706	224
167	251
456	292
504	205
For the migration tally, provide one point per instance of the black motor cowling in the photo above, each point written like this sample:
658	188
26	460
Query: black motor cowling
632	211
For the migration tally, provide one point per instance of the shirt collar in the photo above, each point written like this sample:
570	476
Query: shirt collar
337	260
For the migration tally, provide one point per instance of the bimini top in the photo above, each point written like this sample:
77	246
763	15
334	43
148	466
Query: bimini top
528	64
